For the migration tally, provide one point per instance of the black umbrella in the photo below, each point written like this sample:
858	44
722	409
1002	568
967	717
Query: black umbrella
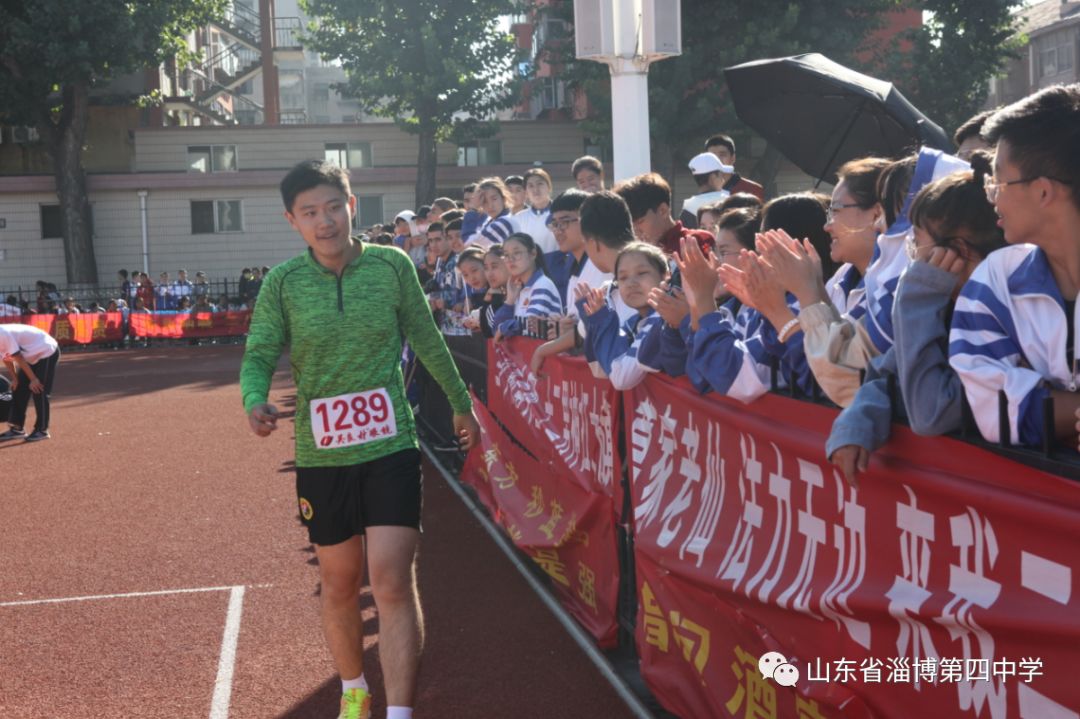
820	114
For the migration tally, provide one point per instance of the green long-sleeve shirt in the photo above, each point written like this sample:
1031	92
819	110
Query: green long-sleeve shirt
345	336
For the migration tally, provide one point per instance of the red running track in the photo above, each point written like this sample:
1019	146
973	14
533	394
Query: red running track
153	483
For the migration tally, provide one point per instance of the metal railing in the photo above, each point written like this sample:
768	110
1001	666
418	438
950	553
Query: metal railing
84	295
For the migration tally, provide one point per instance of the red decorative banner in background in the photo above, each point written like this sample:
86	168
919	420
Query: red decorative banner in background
566	529
194	324
83	328
91	327
567	418
942	586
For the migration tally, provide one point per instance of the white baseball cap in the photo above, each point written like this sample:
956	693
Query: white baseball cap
707	162
409	217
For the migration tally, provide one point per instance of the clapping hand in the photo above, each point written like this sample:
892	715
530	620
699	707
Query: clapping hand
698	272
673	308
795	265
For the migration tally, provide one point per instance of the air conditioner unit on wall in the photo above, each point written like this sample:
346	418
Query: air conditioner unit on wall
24	135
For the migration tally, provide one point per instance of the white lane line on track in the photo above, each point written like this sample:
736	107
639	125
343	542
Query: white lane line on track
158	593
219	707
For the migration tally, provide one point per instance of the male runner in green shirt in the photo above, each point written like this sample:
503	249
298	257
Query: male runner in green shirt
342	310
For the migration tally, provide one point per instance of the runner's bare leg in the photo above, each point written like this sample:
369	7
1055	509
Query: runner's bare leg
392	569
341	570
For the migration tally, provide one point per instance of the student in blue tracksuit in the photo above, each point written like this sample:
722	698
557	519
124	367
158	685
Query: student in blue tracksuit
530	293
774	332
955	228
639	269
495	201
665	349
1014	329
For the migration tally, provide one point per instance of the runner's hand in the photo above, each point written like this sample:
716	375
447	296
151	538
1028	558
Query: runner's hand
36	387
263	419
467	430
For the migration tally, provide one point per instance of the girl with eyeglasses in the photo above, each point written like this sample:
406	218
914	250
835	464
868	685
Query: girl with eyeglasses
666	349
954	229
530	293
639	269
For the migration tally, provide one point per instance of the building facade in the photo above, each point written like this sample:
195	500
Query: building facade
1050	56
209	195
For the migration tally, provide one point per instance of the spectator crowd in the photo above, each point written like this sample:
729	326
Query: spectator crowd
921	284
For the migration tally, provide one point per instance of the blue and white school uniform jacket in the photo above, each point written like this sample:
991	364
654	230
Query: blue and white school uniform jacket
890	256
534	224
1009	331
847	291
538	298
733	355
494	231
616	347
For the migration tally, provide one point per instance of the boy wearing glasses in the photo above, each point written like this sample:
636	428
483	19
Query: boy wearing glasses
1014	328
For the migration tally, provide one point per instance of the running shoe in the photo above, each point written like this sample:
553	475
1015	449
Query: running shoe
355	704
37	436
12	433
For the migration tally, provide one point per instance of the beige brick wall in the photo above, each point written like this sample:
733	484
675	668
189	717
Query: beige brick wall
267	239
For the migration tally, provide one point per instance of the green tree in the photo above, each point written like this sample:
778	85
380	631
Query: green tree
52	52
944	66
427	64
688	98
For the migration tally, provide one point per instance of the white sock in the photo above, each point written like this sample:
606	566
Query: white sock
398	712
358	683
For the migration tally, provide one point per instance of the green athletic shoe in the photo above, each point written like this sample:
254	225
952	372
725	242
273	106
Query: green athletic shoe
355	704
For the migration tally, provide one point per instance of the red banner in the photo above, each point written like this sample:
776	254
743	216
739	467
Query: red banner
567	418
566	529
83	328
193	324
942	586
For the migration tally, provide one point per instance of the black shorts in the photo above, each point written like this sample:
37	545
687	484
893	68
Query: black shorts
337	503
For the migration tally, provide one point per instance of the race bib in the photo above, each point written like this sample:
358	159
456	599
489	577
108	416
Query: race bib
351	419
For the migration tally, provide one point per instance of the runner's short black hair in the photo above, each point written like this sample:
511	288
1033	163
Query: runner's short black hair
310	174
454	224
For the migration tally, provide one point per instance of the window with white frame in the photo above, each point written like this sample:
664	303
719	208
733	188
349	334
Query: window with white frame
212	158
552	93
1055	53
216	216
349	155
480	152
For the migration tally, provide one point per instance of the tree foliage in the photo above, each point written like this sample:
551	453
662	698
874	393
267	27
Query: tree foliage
941	67
52	52
427	64
944	66
688	98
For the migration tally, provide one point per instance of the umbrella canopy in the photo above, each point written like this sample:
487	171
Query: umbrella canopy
820	114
